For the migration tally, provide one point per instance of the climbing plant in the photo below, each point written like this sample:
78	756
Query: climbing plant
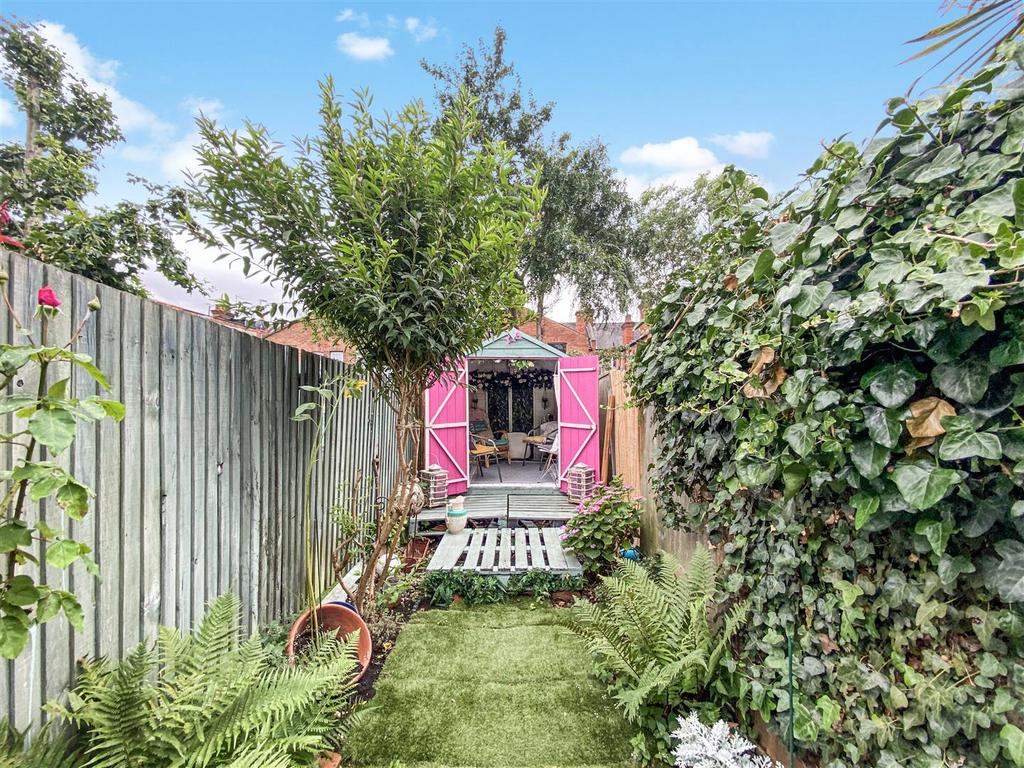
838	388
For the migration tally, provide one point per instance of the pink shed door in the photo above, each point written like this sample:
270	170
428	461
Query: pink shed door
447	427
577	416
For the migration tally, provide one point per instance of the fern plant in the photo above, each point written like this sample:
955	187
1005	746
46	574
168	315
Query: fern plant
654	640
209	700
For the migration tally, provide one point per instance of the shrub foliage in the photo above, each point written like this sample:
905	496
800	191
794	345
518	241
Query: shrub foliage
603	525
652	637
838	389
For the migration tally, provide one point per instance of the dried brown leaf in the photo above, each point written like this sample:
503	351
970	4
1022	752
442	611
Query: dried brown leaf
926	417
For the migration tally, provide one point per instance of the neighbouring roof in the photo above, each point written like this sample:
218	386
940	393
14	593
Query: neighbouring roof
607	335
516	344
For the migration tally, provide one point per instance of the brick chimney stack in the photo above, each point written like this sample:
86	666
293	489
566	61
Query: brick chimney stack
627	330
581	322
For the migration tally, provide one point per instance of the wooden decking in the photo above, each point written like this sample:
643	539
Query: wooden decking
504	551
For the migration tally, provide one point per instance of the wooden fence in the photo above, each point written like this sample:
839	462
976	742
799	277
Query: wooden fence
198	490
633	447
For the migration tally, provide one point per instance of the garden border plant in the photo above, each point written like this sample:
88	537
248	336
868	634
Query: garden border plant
43	427
838	390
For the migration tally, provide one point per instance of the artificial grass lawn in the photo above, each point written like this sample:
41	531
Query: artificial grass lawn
504	686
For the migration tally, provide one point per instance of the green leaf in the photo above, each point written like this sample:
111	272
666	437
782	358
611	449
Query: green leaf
866	505
951	568
830	711
884	426
784	235
86	364
800	438
794	475
1012	739
936	532
964	381
922	487
893	384
63	553
804	726
21	591
1008	353
72	610
809	299
14	534
869	458
948	160
54	428
13	637
74	499
1008	576
961	441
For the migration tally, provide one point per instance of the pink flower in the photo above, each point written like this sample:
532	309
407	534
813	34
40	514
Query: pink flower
47	298
5	216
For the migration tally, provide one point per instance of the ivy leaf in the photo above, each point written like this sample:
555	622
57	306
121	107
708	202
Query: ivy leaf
800	439
1006	354
869	458
924	486
948	160
962	441
866	505
926	417
892	384
784	235
53	427
936	532
965	381
1012	739
794	475
804	726
951	568
829	709
884	426
1008	576
809	299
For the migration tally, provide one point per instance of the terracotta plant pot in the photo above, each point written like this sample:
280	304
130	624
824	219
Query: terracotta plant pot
330	617
330	760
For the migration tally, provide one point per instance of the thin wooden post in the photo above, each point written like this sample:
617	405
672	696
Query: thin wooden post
609	424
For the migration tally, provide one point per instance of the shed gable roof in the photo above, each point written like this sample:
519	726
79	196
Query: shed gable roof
514	343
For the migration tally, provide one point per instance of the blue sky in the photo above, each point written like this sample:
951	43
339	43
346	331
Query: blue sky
674	89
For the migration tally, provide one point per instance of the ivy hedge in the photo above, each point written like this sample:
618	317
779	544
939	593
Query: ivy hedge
838	390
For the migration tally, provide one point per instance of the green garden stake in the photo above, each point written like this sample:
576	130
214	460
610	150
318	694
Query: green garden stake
792	711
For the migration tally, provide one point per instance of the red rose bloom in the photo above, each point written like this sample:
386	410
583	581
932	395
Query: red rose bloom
5	240
48	298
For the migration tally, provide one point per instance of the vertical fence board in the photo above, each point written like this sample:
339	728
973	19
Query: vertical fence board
199	490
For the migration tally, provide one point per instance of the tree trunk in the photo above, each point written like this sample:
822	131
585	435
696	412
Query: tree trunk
540	316
31	129
396	511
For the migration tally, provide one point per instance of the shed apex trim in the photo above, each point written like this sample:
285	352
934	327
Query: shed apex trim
515	343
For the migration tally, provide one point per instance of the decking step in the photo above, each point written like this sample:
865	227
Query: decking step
503	552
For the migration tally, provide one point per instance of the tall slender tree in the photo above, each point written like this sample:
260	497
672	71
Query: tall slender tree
398	234
582	243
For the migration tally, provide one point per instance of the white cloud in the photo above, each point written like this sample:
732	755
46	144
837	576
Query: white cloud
6	113
679	162
363	47
101	75
349	15
676	154
421	31
196	106
745	143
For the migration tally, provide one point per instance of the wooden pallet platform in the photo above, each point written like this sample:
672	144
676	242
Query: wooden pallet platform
504	551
